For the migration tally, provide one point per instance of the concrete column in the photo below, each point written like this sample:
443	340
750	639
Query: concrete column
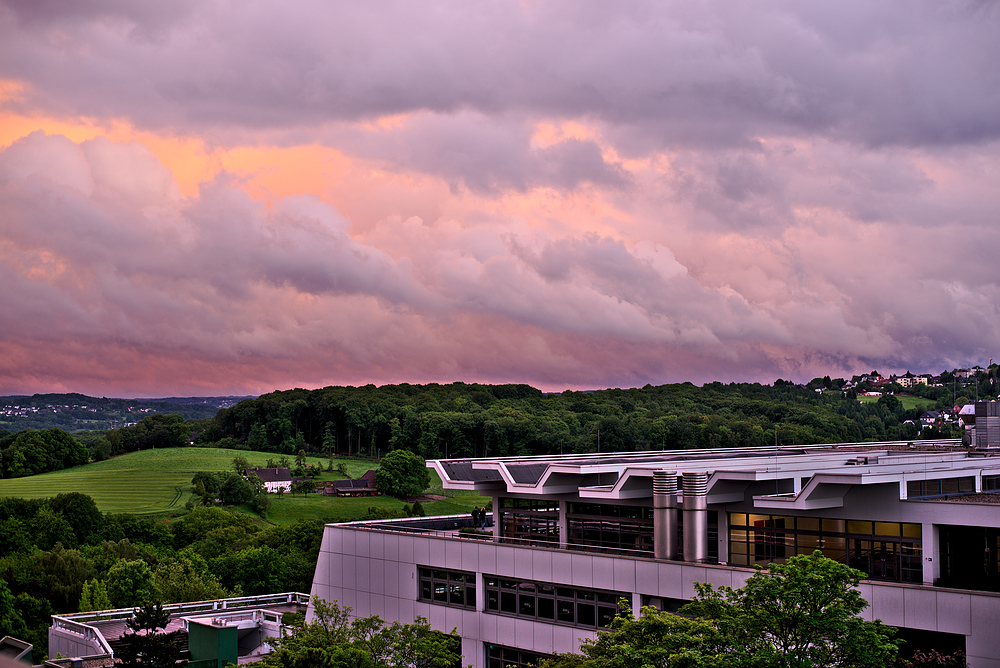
664	514
563	524
472	651
695	516
497	517
930	551
480	593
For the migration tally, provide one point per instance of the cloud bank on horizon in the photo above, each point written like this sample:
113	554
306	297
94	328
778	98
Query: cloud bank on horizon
208	197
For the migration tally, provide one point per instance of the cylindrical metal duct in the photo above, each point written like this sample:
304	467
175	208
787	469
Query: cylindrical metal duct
664	514
695	516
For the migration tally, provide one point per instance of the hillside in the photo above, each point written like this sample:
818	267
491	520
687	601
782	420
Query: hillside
75	412
153	482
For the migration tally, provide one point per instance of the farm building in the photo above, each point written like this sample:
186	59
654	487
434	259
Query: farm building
363	486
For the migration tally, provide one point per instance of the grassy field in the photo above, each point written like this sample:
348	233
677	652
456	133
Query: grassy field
153	482
908	402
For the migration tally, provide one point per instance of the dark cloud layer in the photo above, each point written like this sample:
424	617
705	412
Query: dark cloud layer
901	72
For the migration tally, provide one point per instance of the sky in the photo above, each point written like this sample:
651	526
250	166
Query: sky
218	197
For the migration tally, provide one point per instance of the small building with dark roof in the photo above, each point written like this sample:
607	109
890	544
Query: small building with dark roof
363	486
273	479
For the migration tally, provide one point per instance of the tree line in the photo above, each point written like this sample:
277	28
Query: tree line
470	420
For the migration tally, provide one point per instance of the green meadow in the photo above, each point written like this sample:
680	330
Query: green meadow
909	402
158	482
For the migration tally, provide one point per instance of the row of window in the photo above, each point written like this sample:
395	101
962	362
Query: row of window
454	588
916	489
883	550
591	525
541	600
521	598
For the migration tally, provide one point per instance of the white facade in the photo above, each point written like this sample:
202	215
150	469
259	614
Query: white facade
383	567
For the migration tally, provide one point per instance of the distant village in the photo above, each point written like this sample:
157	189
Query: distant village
875	384
17	410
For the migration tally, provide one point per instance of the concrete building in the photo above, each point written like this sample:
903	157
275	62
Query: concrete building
573	534
233	630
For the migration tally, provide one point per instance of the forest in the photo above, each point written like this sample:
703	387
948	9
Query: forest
470	420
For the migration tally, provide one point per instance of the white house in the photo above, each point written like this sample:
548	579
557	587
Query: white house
273	479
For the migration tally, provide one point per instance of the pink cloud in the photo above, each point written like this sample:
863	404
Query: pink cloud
645	193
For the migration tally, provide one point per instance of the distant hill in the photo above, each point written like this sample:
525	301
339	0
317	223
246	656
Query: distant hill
75	412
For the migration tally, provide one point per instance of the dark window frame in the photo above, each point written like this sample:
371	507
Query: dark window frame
504	656
551	603
441	586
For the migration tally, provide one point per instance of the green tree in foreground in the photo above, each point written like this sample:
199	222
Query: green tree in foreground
332	640
402	474
801	614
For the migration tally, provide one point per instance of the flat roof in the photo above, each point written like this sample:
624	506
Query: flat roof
811	470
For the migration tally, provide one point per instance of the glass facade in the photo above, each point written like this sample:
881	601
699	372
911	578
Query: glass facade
883	550
529	519
551	602
611	526
452	588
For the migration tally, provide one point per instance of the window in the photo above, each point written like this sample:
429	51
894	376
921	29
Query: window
545	601
611	526
499	656
452	588
529	519
883	550
663	603
923	489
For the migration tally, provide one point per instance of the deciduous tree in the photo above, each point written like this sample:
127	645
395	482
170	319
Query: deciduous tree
402	474
240	465
800	613
11	623
130	582
332	640
94	596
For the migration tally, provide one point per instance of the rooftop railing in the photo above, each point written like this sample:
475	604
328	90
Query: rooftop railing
454	533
